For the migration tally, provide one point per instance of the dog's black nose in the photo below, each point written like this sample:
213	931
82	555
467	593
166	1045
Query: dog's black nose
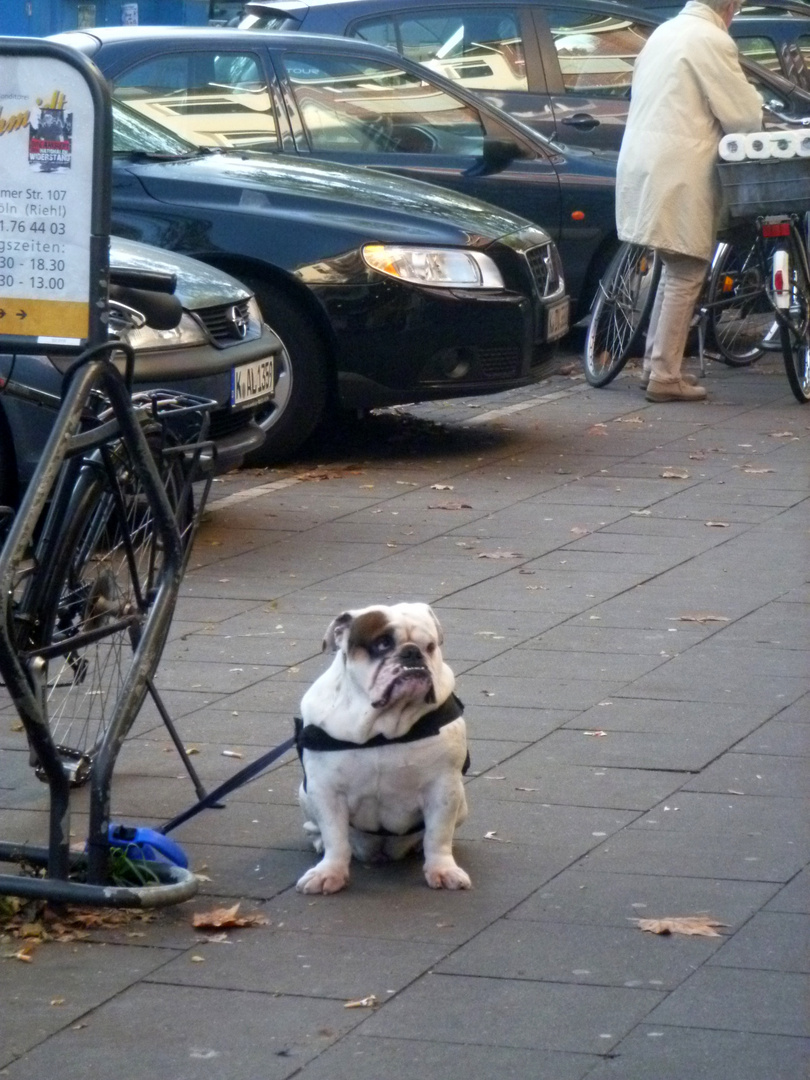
411	656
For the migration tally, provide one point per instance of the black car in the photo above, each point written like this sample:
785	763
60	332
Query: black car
221	350
295	95
382	290
561	66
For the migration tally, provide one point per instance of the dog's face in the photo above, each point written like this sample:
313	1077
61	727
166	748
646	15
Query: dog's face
392	654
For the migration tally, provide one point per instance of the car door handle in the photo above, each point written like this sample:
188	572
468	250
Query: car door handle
584	121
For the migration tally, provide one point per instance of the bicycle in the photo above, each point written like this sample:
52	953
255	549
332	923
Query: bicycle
89	575
733	315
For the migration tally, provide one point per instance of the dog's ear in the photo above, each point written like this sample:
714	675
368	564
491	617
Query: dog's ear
439	631
336	630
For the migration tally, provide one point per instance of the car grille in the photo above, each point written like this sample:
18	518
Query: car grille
544	268
226	323
224	422
500	363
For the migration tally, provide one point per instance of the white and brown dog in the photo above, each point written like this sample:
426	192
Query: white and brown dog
383	746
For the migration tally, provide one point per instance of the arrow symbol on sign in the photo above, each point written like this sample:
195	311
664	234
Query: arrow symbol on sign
21	315
2	314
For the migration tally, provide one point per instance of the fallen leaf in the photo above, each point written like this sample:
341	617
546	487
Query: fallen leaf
219	917
527	789
641	513
752	471
597	429
369	1002
598	734
781	434
675	474
198	959
699	455
492	835
57	1001
231	753
24	954
716	524
499	554
493	777
441	487
450	506
702	617
18	727
692	925
628	420
580	530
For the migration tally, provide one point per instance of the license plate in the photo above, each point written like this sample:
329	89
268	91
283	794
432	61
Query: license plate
249	382
557	321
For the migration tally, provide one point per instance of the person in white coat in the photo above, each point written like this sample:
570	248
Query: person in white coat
688	91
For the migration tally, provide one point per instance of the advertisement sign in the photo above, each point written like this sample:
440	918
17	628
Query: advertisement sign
51	257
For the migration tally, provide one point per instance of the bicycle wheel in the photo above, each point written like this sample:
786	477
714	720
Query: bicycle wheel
103	577
740	316
621	308
794	328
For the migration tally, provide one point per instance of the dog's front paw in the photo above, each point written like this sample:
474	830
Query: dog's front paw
323	878
447	875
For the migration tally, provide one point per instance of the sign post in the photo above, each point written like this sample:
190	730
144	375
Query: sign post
55	160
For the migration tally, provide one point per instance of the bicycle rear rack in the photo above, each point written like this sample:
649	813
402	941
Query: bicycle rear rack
187	419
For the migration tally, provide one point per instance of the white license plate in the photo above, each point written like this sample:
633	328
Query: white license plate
249	382
557	321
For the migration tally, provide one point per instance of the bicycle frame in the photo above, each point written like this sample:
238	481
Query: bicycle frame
67	448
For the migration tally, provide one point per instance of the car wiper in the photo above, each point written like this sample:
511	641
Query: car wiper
160	155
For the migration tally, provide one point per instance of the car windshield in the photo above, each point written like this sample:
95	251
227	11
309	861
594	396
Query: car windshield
134	134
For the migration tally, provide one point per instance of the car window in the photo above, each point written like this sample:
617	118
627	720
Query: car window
481	48
596	51
133	133
761	49
361	106
212	99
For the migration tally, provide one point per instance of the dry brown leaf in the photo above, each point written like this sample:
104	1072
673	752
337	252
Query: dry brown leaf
675	474
597	429
329	474
441	487
702	617
492	835
691	925
499	554
781	434
369	1002
450	506
219	917
752	471
716	524
628	420
580	530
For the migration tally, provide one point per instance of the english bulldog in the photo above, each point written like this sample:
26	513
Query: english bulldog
383	746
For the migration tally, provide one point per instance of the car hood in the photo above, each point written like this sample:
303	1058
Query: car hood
198	286
389	207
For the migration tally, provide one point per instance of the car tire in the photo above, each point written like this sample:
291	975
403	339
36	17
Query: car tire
301	378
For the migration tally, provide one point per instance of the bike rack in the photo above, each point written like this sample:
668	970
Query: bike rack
24	675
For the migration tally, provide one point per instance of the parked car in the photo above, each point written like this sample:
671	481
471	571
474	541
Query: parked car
301	96
561	66
219	345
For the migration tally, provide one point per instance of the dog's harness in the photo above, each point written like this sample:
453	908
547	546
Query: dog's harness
312	737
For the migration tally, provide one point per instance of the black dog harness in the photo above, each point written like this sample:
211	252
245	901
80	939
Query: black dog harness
312	737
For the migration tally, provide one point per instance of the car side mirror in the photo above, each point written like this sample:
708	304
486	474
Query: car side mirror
496	154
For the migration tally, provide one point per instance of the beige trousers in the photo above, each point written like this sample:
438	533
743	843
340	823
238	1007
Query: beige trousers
682	278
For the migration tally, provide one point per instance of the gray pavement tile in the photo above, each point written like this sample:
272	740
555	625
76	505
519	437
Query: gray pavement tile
267	960
694	718
694	677
366	1058
515	724
728	855
798	712
779	662
242	872
232	727
526	692
512	1012
753	774
772	941
658	1052
277	826
785	625
795	896
207	676
234	650
641	564
32	1010
530	777
187	1031
572	828
560	664
753	815
560	952
581	639
738	999
608	899
680	750
779	737
209	610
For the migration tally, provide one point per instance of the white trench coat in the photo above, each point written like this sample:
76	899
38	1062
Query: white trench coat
688	91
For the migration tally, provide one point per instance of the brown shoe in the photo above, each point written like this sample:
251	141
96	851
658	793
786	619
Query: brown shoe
690	380
674	391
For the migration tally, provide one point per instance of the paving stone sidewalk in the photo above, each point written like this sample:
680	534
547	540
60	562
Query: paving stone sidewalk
623	590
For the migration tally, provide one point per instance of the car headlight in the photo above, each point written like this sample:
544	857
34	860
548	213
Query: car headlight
187	332
445	268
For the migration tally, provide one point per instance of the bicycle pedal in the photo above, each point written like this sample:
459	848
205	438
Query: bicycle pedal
77	767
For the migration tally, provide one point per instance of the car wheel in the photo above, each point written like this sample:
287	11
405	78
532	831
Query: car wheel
301	379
